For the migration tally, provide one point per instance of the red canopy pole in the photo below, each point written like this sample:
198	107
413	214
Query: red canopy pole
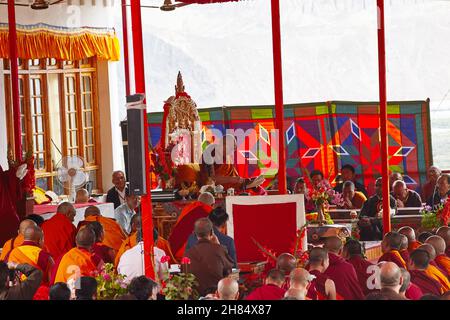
13	56
279	106
125	46
139	74
383	118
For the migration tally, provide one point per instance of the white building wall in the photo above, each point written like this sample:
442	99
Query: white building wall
97	13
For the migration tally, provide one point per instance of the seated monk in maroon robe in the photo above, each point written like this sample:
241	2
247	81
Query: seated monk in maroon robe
9	195
444	233
404	252
353	253
410	234
419	261
186	221
433	269
390	246
271	290
59	231
408	289
17	240
341	272
31	252
441	259
107	254
286	263
322	287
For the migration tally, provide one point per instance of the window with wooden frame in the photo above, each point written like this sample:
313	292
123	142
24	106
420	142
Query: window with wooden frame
59	116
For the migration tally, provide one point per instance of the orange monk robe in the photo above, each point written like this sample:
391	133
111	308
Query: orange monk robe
185	226
413	246
443	262
395	257
76	263
227	170
433	272
59	235
10	245
127	244
114	235
32	254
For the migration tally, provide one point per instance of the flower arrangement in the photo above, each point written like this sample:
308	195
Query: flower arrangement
437	217
110	285
180	286
324	194
162	164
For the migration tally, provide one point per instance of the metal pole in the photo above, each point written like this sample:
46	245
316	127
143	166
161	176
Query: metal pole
278	87
125	46
383	118
139	74
13	57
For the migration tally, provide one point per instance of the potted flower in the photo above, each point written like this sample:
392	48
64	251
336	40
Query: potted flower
180	286
110	284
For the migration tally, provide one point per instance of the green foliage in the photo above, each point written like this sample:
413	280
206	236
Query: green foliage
110	285
180	287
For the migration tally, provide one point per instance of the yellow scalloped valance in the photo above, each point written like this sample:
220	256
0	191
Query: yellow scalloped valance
44	41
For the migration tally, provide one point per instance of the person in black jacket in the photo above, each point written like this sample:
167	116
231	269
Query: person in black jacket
20	290
117	193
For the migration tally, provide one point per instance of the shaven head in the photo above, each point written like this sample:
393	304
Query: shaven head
203	228
352	248
207	198
333	244
98	230
444	233
424	236
294	294
82	196
318	259
408	232
26	224
405	243
406	280
390	276
136	222
275	277
430	249
391	241
85	238
228	289
67	209
92	211
286	262
34	234
419	259
438	244
300	279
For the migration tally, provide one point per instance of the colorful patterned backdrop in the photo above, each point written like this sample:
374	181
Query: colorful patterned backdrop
325	136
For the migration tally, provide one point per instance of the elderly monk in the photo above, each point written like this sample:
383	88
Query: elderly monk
418	263
444	233
300	279
391	281
341	272
322	287
107	254
31	252
228	289
17	240
409	232
271	290
433	270
441	260
59	231
114	235
80	261
352	199
404	248
390	246
408	289
405	197
442	191
353	253
185	223
286	262
428	188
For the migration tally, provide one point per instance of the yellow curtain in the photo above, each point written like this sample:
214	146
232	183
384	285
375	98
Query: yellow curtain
44	41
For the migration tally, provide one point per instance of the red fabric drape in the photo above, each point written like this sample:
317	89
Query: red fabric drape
207	1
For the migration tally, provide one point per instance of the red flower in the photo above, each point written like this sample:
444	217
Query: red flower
185	260
165	259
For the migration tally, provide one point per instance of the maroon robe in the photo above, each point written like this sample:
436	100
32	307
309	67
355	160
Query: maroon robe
425	283
268	292
361	266
102	251
447	251
413	292
317	289
9	195
405	255
345	279
395	257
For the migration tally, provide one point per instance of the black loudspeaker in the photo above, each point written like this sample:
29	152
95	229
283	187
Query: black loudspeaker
136	111
124	127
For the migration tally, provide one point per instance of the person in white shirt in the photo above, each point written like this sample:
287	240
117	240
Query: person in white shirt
131	263
126	211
